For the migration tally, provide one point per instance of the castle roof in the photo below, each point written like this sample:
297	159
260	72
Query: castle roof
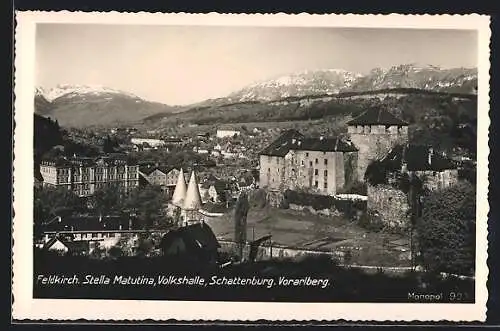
418	158
193	197
377	116
180	190
294	140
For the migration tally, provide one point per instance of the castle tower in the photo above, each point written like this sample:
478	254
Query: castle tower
374	133
180	190
192	202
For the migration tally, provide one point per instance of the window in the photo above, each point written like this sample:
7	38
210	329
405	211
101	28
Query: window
326	161
302	162
315	172
325	173
316	184
310	163
316	161
307	154
325	185
268	169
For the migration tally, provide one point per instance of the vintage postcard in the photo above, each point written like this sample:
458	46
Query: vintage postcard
250	167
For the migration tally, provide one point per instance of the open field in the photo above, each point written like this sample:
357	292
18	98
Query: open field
304	230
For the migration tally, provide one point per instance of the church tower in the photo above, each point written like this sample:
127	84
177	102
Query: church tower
179	191
375	132
192	202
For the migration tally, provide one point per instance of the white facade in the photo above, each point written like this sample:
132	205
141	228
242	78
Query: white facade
227	133
150	142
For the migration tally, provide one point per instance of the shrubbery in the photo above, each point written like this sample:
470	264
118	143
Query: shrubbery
320	202
371	221
446	230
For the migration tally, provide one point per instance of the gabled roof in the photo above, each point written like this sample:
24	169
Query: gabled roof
87	223
376	115
73	246
294	140
336	144
416	158
220	186
281	146
148	169
196	237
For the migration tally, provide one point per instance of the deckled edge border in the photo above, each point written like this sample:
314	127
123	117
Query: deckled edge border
239	322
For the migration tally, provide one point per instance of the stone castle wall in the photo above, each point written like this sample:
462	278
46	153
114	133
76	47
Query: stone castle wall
374	142
391	204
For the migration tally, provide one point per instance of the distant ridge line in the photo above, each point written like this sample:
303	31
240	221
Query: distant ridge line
399	90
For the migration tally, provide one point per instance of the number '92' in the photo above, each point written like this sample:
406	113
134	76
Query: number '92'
457	296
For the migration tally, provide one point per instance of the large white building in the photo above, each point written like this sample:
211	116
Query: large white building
86	175
223	133
151	142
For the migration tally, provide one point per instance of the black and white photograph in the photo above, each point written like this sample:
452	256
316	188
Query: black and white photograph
229	162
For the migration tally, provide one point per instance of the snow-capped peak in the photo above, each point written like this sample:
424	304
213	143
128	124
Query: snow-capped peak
64	89
306	82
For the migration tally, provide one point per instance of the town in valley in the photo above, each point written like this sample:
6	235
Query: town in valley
353	178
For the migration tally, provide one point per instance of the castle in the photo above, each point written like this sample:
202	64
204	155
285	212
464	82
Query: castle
326	165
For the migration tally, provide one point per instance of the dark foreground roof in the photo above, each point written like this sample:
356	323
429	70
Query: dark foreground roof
196	237
294	140
417	158
374	116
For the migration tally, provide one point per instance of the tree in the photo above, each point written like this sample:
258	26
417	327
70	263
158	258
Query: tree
109	145
55	201
108	200
446	230
148	205
240	222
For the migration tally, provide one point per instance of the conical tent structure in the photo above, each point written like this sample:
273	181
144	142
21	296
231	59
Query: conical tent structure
193	197
180	190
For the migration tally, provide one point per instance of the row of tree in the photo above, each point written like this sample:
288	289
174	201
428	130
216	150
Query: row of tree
146	204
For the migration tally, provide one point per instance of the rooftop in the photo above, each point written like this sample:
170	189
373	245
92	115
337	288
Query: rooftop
374	116
86	223
104	160
196	237
294	140
418	158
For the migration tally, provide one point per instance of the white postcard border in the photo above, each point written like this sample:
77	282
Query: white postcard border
25	307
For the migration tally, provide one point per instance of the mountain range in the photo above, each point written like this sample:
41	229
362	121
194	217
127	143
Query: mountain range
83	105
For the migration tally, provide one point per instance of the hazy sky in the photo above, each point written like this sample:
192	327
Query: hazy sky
186	64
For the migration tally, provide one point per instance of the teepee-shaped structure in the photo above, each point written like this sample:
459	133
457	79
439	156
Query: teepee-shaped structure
180	190
192	202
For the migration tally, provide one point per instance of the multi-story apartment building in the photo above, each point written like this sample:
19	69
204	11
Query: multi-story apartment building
319	165
86	175
164	176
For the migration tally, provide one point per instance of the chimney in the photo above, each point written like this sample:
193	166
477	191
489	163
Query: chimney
130	224
431	153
